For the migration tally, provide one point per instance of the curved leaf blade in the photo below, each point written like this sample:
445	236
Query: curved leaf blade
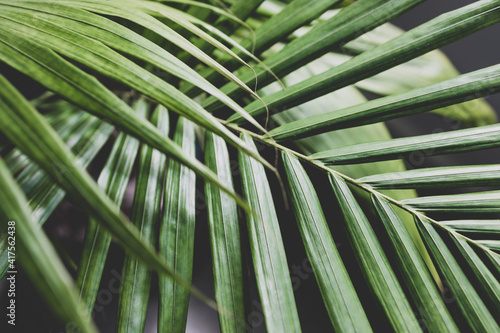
487	281
136	283
73	24
340	298
225	240
459	89
482	202
373	262
422	288
176	240
40	260
457	176
361	16
471	305
429	145
28	130
113	179
268	254
431	35
488	227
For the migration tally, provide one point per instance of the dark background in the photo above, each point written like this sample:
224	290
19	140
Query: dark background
471	53
474	52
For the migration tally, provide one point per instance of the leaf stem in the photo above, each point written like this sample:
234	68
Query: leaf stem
359	185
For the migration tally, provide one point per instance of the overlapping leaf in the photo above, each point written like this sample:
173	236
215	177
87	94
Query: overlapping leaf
339	295
473	308
225	240
39	259
363	16
373	262
113	180
268	254
177	233
449	92
146	209
429	36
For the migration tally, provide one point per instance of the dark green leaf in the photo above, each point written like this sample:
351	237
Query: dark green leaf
339	295
457	176
424	145
268	253
373	262
225	240
459	89
39	259
488	282
30	132
352	21
177	233
486	227
146	209
428	36
483	202
113	179
469	302
422	288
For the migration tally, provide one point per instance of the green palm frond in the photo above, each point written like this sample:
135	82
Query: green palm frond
162	92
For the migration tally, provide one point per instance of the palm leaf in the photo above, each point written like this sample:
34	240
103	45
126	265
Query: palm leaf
37	255
48	150
363	15
225	240
433	34
97	240
135	286
341	301
473	308
271	271
428	145
464	87
190	56
461	176
422	288
177	233
373	262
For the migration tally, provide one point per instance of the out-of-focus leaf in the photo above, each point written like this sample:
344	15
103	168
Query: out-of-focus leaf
25	53
65	24
42	194
39	259
28	130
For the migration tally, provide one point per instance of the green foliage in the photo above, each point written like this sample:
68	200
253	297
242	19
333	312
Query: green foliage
116	75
